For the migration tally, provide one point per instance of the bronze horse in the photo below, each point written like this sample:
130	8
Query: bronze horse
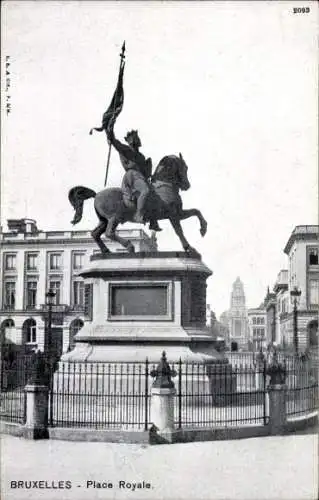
164	202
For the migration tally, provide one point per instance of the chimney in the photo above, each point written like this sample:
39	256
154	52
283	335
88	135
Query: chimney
27	226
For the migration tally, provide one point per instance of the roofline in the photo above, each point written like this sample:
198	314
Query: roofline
280	286
256	310
42	238
84	231
304	232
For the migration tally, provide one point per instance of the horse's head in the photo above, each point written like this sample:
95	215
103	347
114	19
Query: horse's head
183	168
172	169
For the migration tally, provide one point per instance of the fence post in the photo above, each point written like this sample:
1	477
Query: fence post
259	373
146	395
277	393
36	390
162	403
180	393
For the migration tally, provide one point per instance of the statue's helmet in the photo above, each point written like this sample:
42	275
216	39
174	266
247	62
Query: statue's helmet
132	137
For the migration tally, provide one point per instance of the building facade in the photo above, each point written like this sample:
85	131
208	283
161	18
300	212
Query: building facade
271	315
34	261
238	327
282	307
257	327
302	250
302	274
224	327
235	319
218	329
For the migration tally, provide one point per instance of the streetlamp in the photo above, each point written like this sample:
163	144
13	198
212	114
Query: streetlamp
295	295
48	330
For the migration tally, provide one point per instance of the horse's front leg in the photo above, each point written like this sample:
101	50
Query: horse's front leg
191	212
179	231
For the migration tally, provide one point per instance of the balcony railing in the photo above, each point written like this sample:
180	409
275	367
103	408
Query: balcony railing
9	307
77	308
56	308
31	307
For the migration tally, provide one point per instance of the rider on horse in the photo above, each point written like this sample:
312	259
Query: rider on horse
135	184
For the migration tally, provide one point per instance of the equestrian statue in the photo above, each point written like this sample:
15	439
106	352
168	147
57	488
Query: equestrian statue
143	196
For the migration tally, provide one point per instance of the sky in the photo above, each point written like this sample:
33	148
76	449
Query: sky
231	85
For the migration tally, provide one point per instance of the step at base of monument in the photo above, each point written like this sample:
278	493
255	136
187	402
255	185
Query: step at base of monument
138	353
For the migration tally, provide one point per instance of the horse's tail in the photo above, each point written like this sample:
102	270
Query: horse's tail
77	196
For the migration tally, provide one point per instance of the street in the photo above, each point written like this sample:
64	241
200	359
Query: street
268	468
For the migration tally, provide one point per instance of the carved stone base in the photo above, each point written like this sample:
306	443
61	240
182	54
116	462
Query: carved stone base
142	304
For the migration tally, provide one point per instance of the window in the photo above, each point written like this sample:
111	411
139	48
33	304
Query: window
261	332
7	336
55	261
10	260
55	286
32	261
254	320
8	323
78	260
6	331
313	257
262	321
78	293
88	300
314	293
258	332
31	301
29	329
9	294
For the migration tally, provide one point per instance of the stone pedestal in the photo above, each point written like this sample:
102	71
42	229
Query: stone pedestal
162	409
36	412
140	304
277	408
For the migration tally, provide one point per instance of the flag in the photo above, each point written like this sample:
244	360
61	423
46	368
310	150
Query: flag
117	101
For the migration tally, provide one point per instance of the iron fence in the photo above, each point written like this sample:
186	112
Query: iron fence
15	374
220	395
118	395
302	387
252	358
100	395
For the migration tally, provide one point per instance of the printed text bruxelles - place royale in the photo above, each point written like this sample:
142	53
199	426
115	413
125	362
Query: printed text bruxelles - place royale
67	485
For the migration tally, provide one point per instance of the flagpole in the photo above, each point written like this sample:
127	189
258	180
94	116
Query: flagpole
107	164
122	56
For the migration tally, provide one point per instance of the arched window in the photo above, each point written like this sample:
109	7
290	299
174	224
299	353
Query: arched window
75	326
29	330
5	329
312	328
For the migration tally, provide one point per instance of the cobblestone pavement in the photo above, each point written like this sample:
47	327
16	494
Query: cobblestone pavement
269	468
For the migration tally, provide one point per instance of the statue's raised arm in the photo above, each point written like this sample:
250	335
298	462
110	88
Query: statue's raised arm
123	149
138	169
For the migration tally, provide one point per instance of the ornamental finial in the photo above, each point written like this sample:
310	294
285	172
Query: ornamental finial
163	374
